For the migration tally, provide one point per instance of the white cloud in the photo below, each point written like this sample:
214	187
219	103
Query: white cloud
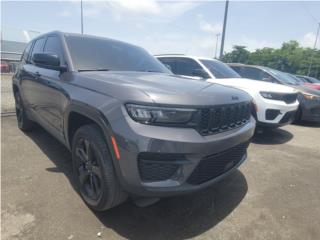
308	40
123	9
137	6
208	27
64	13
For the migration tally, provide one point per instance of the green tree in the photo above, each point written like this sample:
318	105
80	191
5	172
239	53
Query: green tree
291	57
238	54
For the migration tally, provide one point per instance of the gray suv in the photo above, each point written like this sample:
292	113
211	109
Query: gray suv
133	128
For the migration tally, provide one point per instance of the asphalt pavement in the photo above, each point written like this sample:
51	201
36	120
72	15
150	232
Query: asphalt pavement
274	195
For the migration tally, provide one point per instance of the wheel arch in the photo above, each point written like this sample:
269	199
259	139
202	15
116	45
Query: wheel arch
93	116
87	115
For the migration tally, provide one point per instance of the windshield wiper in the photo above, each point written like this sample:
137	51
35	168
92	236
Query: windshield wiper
92	70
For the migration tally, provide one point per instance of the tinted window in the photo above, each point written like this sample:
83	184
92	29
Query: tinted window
283	77
252	73
170	63
96	53
53	45
187	66
38	46
237	69
219	69
26	52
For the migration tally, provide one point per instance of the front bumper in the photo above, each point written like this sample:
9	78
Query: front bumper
135	139
283	112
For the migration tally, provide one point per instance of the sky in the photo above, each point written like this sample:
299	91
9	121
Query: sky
188	27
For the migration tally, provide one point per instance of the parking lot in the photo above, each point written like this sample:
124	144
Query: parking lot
274	195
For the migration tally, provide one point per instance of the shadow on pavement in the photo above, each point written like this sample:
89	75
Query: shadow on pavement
171	218
178	217
272	136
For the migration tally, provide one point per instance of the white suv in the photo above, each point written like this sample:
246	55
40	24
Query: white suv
275	104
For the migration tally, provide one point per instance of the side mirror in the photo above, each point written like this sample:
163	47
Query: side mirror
200	73
48	60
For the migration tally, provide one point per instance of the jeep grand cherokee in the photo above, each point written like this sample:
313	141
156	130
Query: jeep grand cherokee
133	128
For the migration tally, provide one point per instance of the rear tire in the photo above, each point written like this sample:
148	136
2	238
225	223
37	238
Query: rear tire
93	170
24	123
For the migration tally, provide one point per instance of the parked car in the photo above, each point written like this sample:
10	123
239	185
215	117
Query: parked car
308	83
275	105
133	128
5	67
309	79
309	99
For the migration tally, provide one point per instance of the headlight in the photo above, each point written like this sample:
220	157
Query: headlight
270	95
159	115
309	96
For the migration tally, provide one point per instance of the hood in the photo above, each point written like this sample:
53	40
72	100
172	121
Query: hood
160	88
253	86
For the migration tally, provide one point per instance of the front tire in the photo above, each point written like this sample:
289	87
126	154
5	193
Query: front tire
24	123
93	170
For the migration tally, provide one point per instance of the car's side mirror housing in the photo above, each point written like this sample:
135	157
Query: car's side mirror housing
48	60
200	73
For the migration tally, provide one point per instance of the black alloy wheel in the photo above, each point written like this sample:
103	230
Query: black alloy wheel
93	169
88	171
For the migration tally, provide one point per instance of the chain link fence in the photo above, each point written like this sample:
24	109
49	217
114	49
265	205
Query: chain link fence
7	99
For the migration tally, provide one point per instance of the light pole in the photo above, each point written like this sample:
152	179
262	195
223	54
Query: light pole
224	28
314	50
81	18
217	40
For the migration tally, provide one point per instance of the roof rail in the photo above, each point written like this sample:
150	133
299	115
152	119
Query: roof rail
169	54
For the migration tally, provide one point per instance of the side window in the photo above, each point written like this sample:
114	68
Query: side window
53	45
26	52
252	73
268	78
38	46
187	67
169	63
237	69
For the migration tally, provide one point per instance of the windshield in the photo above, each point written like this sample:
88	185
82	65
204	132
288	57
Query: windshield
219	69
284	77
89	54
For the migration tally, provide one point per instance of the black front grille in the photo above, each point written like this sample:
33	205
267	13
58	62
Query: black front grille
226	117
215	165
158	166
290	98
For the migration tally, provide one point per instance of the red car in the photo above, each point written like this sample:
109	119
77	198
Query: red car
308	82
5	67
